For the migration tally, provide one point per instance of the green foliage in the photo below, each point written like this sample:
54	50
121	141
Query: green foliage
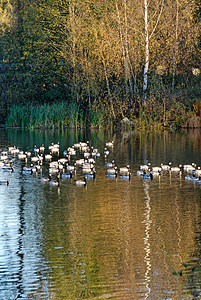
76	60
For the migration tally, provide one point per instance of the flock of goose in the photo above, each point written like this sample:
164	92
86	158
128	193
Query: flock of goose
67	166
191	172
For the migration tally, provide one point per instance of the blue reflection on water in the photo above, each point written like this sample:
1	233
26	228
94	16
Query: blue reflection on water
20	251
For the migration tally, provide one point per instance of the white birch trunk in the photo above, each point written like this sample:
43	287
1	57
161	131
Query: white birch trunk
146	65
175	48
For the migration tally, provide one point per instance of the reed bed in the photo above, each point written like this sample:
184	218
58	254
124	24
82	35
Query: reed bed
53	116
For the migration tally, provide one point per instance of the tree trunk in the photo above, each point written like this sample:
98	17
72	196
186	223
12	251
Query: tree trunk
108	87
175	48
146	65
123	50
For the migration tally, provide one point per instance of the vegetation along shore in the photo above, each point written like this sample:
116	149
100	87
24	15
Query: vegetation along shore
100	63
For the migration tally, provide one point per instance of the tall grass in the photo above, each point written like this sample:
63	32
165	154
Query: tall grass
53	116
157	113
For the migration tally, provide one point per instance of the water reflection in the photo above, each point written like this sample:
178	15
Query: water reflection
147	222
116	239
20	244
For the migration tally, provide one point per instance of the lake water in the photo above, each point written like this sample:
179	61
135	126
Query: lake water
114	238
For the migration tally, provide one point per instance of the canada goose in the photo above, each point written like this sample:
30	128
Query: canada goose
81	182
63	160
3	163
176	169
55	150
125	176
87	170
45	179
4	153
106	152
80	162
54	170
36	168
42	148
189	168
147	176
70	167
77	145
165	167
4	182
145	167
94	150
4	157
156	169
65	153
67	175
110	164
48	156
54	182
27	171
22	155
109	144
83	144
87	167
36	150
112	175
34	158
198	172
91	161
140	172
14	150
90	175
11	148
112	170
191	178
87	164
71	151
54	164
61	167
28	153
93	153
8	169
54	146
186	167
124	169
86	154
85	149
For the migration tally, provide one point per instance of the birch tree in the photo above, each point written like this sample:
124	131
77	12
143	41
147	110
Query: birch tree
147	39
146	64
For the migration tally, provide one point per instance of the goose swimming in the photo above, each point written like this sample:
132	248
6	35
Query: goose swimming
4	182
110	144
90	175
126	176
8	169
147	176
66	175
112	175
124	169
81	182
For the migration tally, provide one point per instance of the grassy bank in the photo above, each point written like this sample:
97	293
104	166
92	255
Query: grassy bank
155	114
55	116
57	107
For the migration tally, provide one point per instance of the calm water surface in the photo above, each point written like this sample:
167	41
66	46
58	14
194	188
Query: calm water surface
114	239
